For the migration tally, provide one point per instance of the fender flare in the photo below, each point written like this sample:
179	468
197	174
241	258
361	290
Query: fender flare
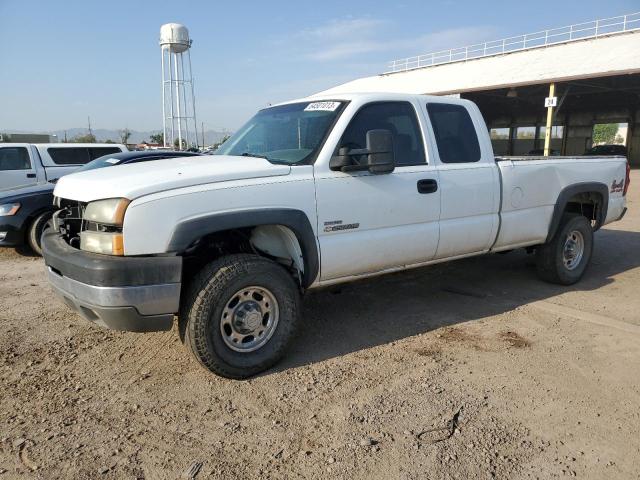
188	231
575	189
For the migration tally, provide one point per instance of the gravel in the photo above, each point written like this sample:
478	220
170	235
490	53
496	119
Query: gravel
547	375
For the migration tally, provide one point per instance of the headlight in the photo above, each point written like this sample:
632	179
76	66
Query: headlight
8	209
109	243
109	212
106	236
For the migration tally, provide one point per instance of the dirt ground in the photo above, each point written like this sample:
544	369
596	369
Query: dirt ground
471	369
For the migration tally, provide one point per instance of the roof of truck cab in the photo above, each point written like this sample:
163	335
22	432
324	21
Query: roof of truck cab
373	97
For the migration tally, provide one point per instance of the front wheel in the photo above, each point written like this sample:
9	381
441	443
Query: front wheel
34	233
240	314
565	258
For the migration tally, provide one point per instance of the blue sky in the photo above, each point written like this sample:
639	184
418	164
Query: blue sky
63	61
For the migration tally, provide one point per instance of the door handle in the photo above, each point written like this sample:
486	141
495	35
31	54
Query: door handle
31	175
427	185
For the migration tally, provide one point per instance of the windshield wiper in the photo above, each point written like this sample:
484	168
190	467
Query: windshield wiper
256	155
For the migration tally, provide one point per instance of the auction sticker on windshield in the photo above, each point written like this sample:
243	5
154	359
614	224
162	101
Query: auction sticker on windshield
325	106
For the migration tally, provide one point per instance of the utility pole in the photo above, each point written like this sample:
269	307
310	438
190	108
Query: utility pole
89	122
203	145
550	103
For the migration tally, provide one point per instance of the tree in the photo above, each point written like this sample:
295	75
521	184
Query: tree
87	138
157	138
108	140
125	133
217	144
176	144
604	133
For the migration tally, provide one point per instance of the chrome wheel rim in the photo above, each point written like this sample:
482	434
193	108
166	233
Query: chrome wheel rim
573	250
249	319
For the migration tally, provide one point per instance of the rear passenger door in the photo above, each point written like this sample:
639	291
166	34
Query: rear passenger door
16	167
468	180
368	223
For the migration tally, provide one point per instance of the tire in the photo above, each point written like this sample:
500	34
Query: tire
565	258
34	233
227	306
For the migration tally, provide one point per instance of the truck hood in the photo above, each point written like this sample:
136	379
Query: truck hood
138	179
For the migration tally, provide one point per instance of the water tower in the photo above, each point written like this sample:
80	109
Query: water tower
178	99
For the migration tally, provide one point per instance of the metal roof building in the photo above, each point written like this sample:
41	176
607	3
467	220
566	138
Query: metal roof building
592	70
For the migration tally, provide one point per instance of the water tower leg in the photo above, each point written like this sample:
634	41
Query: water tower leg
184	101
164	113
175	64
171	99
193	103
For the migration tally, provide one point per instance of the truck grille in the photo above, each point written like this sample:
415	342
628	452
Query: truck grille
68	220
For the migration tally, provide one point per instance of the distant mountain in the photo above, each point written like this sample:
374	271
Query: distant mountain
210	136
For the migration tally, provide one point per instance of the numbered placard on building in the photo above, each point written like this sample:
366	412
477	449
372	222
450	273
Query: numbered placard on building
551	102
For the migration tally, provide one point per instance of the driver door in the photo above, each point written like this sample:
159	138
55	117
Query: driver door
370	223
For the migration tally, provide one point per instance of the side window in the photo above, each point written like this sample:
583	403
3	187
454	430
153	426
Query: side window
14	158
95	152
397	117
455	134
69	156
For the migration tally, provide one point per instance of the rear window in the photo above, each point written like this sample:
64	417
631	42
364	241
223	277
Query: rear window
455	134
96	152
69	156
14	158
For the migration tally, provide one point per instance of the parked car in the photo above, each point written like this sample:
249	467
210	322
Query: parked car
25	165
307	194
607	150
25	211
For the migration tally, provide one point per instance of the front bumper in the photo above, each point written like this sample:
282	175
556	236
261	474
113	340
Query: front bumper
138	294
10	237
12	231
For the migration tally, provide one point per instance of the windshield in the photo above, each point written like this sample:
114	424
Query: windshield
290	133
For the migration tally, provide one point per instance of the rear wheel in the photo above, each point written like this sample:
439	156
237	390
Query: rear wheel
565	258
34	233
240	314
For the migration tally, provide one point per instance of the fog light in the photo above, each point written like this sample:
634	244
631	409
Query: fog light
102	242
3	235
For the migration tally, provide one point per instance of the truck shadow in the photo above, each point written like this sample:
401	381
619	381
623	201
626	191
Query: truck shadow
351	317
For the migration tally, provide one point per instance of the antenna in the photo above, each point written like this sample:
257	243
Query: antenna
178	97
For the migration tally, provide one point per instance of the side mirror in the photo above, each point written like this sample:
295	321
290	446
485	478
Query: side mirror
380	157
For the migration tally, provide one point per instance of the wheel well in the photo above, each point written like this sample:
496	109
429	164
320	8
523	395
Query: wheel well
28	222
590	199
587	204
275	242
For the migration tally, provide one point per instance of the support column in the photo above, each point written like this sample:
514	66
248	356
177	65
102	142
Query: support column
547	133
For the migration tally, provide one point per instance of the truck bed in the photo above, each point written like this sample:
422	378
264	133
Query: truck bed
532	185
522	158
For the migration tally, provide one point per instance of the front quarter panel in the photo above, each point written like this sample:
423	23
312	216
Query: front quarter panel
150	221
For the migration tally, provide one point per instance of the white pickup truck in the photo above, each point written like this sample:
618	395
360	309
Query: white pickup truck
311	193
25	164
